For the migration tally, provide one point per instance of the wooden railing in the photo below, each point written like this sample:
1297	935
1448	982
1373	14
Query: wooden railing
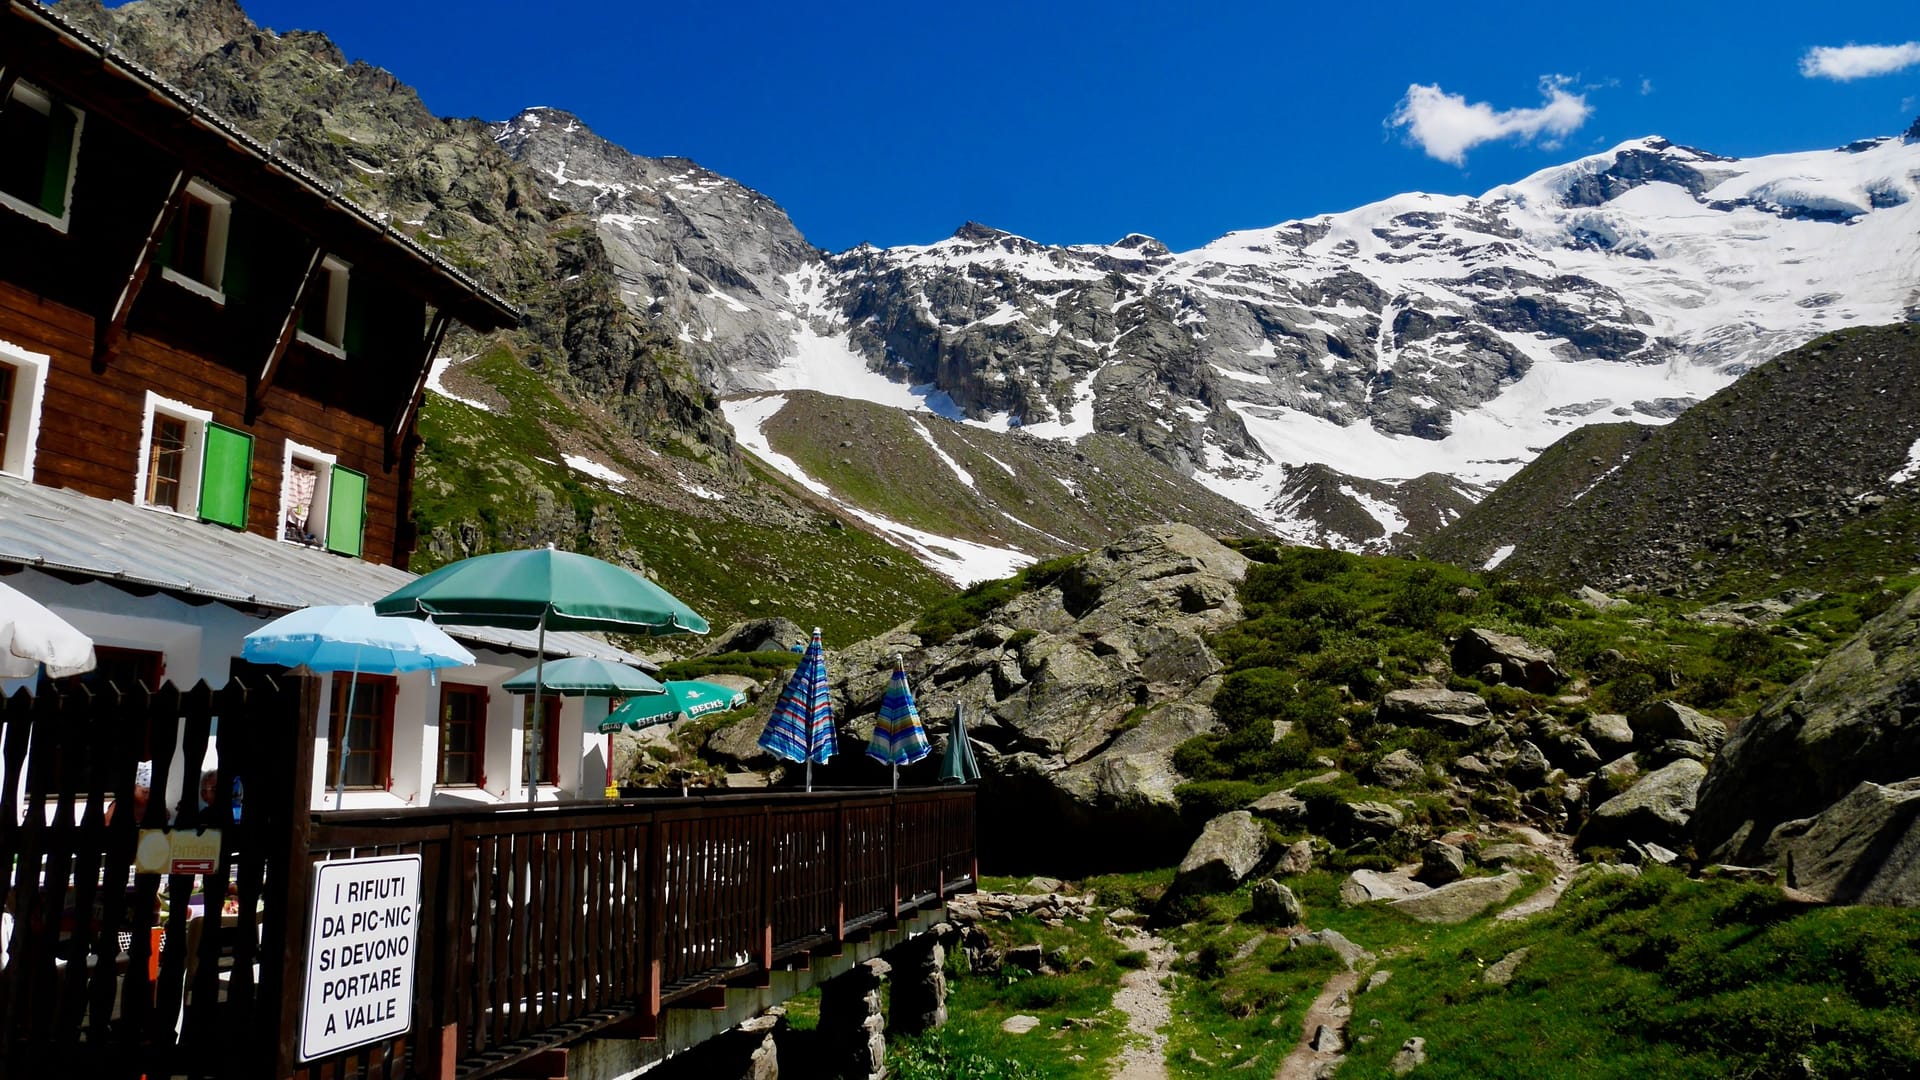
548	924
535	927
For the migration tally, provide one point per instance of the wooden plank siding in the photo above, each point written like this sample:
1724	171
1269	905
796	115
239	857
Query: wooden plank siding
91	423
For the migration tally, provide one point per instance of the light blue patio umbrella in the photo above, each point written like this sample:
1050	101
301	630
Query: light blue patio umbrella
350	637
898	739
801	727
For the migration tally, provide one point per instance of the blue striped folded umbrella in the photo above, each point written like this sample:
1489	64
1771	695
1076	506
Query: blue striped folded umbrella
898	739
801	728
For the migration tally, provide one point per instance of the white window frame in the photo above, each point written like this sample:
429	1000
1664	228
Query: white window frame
334	343
192	464
40	101
29	394
322	488
211	281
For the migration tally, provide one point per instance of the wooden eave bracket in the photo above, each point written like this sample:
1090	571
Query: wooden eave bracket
258	386
111	329
403	420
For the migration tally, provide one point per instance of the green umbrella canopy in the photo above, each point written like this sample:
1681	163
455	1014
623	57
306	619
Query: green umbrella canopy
584	676
688	696
515	589
957	765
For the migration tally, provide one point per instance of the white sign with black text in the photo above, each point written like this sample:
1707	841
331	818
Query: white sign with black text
360	953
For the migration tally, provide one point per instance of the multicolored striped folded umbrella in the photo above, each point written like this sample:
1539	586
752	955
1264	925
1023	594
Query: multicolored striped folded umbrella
898	739
801	728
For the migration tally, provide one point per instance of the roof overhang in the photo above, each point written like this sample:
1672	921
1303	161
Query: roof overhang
80	537
47	48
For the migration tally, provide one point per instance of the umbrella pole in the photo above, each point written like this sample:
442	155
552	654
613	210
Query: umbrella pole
346	725
539	678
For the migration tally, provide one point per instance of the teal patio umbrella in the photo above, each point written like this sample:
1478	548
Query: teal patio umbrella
542	589
585	676
957	765
685	697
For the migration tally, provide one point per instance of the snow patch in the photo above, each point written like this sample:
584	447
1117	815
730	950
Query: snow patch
593	468
921	430
439	368
1497	557
1912	467
962	562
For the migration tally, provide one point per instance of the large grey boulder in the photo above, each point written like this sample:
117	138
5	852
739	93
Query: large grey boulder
1854	719
755	635
1670	721
1459	901
1610	734
1230	847
1349	952
1398	769
1864	849
1432	707
1655	809
1516	661
1275	904
1367	886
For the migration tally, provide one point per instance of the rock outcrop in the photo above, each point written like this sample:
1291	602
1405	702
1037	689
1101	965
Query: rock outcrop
1850	726
1077	692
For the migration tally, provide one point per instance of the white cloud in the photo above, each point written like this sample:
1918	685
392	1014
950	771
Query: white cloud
1446	125
1849	62
1646	87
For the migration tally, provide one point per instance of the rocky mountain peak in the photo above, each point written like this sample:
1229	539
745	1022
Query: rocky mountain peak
1913	132
976	232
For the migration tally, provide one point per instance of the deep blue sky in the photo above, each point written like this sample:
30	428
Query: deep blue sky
1080	122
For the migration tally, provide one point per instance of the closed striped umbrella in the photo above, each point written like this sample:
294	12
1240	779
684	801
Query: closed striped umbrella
898	739
801	728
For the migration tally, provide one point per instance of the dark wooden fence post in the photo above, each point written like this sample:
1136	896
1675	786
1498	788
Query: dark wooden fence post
839	872
289	887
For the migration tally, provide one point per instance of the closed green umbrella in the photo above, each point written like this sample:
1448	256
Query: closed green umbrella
539	590
957	765
686	697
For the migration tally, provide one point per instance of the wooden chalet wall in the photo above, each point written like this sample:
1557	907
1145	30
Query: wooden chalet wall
94	299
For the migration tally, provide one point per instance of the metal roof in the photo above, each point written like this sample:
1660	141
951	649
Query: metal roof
65	531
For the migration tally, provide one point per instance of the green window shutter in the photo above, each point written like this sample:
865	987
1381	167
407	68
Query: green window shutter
353	338
60	131
225	474
346	511
237	278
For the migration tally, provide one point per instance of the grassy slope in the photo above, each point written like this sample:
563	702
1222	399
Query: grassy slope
1066	497
496	480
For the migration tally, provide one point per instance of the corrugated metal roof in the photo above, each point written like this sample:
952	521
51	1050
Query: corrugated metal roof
55	529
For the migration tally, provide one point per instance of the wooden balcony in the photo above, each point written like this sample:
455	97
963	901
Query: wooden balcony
537	926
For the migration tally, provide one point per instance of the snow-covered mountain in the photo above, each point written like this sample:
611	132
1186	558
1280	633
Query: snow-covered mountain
1308	371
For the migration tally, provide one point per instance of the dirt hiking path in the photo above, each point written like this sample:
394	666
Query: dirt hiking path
1142	997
